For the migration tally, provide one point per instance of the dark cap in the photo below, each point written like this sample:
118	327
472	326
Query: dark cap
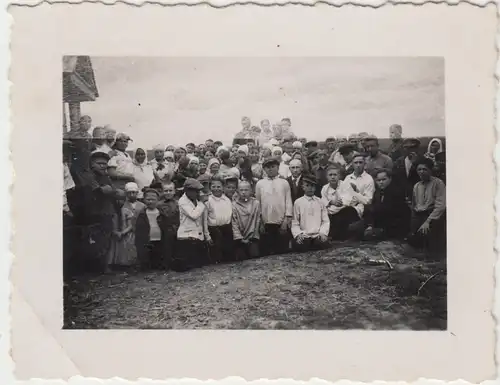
99	155
330	139
413	142
270	161
311	143
309	178
204	178
193	184
346	149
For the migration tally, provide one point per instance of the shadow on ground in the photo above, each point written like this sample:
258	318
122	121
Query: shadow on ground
345	287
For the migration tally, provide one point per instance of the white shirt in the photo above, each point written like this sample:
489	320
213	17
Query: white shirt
192	219
310	217
154	228
220	210
408	164
284	170
123	163
365	186
103	148
143	176
343	192
275	199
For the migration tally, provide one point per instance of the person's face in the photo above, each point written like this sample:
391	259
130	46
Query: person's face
214	168
285	124
254	155
217	188
371	147
203	168
169	159
232	160
140	155
85	123
333	176
266	153
309	188
194	165
272	170
211	149
245	123
382	180
169	191
197	152
170	148
394	133
358	164
241	154
100	166
288	148
209	155
434	147
190	148
322	158
121	144
298	157
341	142
349	156
178	153
277	153
409	149
265	125
423	172
230	188
354	142
330	145
244	191
159	154
110	136
192	194
296	170
150	200
132	196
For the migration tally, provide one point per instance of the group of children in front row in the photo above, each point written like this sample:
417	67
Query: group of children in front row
216	221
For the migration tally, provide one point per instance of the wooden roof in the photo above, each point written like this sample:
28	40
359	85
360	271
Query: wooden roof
78	79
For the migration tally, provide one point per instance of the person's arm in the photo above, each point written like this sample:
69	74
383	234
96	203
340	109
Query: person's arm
204	218
367	196
128	225
324	197
296	230
325	221
288	200
236	228
114	174
192	212
440	201
390	164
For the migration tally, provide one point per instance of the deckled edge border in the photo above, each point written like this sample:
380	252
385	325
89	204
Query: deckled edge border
7	172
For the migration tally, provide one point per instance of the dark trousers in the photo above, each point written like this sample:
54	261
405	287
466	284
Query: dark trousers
222	249
244	251
189	254
151	256
309	244
273	241
435	239
342	223
169	246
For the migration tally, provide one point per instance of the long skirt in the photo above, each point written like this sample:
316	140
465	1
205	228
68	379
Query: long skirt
222	249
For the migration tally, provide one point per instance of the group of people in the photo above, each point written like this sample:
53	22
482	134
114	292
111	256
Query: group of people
194	205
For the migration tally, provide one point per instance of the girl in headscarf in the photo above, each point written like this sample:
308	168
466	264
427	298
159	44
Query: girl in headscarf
435	147
203	166
194	166
143	171
284	170
213	166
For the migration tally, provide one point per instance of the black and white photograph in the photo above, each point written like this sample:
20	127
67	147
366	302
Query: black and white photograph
254	193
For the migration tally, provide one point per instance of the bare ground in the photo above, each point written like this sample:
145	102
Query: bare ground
338	288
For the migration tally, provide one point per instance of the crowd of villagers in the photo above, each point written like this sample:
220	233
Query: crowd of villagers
202	204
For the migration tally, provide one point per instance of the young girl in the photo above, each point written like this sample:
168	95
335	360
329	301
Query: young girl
122	251
246	223
219	209
148	232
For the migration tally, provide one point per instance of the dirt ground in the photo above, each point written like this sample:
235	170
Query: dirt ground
338	288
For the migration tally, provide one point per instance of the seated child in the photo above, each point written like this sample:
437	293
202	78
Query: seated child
310	223
192	232
219	209
246	223
148	232
337	199
169	210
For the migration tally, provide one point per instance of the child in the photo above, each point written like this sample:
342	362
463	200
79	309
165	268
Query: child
275	200
230	186
204	179
219	211
132	193
246	223
337	199
192	232
310	224
122	251
169	210
148	232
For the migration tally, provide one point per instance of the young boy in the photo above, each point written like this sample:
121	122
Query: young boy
219	214
169	210
230	186
148	232
246	223
273	194
310	224
192	232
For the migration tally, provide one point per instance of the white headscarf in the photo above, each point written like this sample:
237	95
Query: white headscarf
131	186
297	145
169	154
285	157
276	148
244	148
159	147
440	145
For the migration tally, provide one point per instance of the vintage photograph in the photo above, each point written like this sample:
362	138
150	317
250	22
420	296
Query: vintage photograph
254	193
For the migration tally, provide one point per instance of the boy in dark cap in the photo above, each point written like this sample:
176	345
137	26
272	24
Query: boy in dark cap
310	223
193	231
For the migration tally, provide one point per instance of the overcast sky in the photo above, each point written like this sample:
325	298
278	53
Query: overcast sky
179	100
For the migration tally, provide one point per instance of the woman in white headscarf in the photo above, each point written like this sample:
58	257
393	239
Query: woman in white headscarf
120	166
435	147
284	170
213	167
144	173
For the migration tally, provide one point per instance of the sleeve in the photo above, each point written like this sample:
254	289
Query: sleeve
389	164
440	201
234	223
113	162
295	228
324	197
288	199
192	212
367	196
258	191
325	221
258	220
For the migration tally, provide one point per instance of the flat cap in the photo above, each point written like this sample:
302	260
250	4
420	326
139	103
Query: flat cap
270	161
412	142
309	178
193	184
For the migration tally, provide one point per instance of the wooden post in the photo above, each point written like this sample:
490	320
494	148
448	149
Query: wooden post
74	115
65	120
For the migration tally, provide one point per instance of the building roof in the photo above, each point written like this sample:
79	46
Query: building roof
78	79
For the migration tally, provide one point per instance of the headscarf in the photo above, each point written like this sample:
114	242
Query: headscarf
170	147
285	157
440	145
244	148
145	158
159	147
169	154
193	159
273	142
131	186
297	145
268	146
211	162
220	149
277	148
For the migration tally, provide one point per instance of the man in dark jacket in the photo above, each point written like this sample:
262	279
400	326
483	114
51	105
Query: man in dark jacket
295	181
319	170
388	216
404	170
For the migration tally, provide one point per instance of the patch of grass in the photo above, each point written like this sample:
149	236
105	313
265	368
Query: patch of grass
329	289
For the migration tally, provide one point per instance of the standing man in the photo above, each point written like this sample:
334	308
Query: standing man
376	160
405	171
330	145
295	180
319	170
395	149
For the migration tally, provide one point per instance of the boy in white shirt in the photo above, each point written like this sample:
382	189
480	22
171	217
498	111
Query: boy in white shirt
310	223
